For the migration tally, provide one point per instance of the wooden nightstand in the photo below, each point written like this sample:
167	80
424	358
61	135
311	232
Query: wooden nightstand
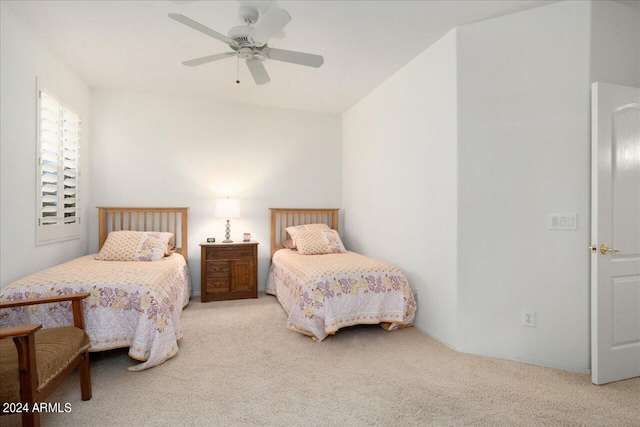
229	271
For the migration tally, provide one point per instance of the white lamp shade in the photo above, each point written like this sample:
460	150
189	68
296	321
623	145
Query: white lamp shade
227	208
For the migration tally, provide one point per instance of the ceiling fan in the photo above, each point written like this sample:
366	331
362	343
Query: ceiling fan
250	43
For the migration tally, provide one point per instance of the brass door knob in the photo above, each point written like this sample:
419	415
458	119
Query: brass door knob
604	249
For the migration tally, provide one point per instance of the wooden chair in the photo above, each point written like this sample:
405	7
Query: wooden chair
42	358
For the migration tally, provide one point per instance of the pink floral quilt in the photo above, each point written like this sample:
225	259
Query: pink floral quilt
323	293
132	304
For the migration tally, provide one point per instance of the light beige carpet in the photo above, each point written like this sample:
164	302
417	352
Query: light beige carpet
238	366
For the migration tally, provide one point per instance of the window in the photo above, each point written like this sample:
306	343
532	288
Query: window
58	177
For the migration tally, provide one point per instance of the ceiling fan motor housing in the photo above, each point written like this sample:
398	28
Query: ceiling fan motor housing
240	34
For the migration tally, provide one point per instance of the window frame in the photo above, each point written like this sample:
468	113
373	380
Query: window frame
59	232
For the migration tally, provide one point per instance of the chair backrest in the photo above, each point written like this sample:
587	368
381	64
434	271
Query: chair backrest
69	344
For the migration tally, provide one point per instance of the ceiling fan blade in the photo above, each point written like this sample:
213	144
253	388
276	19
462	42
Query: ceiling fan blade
299	58
258	71
273	21
199	27
207	59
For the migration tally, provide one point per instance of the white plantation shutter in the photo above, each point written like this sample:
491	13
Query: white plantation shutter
58	173
70	145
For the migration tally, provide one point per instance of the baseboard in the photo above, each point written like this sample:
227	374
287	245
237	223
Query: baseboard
435	337
525	360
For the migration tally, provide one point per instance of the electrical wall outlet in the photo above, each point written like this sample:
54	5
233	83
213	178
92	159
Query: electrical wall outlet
528	318
563	221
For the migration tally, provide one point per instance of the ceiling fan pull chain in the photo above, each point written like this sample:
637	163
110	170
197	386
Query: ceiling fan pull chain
238	70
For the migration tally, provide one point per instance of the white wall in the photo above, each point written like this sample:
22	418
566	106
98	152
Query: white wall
615	40
155	150
399	180
524	152
23	58
522	143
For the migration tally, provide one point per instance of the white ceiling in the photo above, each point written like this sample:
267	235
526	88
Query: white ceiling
133	45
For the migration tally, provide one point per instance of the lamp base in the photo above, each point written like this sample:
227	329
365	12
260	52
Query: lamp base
227	233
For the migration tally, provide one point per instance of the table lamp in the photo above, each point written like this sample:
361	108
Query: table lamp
227	208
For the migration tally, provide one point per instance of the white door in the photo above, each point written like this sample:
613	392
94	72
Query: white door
615	233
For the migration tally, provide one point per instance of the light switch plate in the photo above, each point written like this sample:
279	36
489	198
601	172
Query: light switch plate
563	221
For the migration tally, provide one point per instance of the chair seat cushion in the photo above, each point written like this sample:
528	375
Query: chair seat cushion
55	350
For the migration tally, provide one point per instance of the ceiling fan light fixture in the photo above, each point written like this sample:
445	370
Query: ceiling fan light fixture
245	52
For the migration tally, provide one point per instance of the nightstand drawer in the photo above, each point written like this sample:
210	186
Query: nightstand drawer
217	284
217	269
229	253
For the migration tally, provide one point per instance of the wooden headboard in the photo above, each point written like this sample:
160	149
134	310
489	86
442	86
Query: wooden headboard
173	220
283	218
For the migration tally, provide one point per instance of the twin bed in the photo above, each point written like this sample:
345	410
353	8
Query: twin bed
133	304
324	292
139	304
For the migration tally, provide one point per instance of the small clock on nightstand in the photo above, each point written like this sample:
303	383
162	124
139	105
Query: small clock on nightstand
229	271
